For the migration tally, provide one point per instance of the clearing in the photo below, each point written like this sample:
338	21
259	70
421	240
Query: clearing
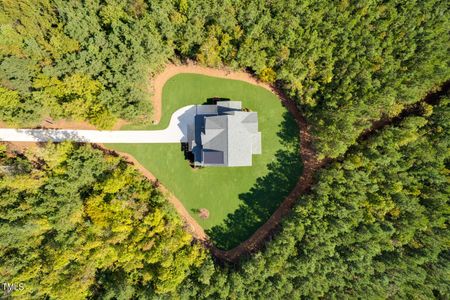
239	199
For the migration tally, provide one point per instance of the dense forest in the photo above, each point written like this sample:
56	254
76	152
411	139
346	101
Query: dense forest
375	225
76	222
71	216
346	63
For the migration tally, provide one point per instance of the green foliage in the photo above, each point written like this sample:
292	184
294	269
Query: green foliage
14	108
119	47
346	63
74	97
43	53
72	217
268	75
73	221
374	226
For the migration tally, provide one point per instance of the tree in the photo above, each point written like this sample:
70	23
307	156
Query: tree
72	217
373	225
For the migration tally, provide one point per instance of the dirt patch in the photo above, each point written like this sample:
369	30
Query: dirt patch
156	87
66	124
203	213
19	147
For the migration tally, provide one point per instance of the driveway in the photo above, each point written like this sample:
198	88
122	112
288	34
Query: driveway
176	132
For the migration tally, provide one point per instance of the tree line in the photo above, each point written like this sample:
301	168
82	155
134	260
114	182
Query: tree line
75	221
73	218
346	63
375	226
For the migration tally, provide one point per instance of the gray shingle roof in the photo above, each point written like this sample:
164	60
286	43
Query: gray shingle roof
229	138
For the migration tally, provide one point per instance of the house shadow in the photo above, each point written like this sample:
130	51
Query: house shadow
266	195
184	120
214	100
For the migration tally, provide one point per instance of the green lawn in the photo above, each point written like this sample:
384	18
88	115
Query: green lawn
239	199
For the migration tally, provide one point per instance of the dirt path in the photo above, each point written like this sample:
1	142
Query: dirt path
190	67
191	225
311	165
304	183
310	162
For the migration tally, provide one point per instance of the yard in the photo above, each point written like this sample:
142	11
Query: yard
240	199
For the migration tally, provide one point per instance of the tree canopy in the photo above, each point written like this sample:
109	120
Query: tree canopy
76	222
72	217
346	63
374	226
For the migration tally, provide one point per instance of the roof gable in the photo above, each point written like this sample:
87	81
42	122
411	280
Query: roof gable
230	137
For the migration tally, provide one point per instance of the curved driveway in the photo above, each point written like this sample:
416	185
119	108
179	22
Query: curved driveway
176	132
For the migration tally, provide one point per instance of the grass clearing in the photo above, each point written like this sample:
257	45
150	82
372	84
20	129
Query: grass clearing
238	199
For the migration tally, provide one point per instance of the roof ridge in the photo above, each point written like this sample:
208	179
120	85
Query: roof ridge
216	131
228	133
248	115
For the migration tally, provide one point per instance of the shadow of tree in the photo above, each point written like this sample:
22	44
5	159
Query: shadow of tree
54	135
266	195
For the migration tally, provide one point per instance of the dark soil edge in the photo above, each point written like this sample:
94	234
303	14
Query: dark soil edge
311	165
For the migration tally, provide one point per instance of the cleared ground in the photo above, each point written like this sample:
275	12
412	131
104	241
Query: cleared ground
239	200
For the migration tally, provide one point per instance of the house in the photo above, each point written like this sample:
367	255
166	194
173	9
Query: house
224	135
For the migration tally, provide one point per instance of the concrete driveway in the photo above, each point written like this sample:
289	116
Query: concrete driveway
176	132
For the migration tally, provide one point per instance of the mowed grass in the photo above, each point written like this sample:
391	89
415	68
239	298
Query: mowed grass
238	199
